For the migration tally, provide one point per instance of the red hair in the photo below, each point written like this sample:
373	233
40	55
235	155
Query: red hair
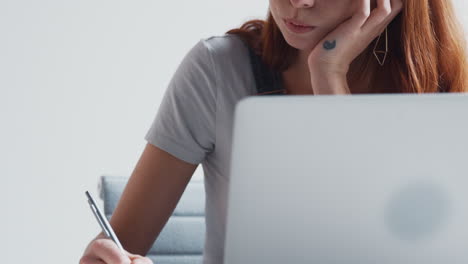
427	50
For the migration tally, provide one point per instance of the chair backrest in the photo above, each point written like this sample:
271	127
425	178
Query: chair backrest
182	239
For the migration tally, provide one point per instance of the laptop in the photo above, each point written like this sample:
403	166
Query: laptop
359	179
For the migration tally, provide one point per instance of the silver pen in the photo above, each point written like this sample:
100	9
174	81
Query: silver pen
106	227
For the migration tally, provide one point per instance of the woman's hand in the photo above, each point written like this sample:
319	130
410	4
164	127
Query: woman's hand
103	250
329	61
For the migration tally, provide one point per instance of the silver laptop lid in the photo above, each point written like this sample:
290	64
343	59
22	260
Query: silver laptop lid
349	179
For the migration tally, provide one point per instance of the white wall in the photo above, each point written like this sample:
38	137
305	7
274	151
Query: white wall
80	83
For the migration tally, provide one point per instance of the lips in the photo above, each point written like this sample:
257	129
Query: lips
297	27
296	22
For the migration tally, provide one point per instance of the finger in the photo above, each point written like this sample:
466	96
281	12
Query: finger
378	18
362	13
109	252
378	15
381	16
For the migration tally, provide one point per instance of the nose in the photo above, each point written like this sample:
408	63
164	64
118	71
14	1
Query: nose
302	3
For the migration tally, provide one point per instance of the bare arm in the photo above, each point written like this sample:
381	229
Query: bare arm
149	198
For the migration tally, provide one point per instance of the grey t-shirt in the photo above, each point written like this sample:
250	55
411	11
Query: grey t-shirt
194	122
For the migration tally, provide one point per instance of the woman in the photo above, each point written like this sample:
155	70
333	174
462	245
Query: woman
342	47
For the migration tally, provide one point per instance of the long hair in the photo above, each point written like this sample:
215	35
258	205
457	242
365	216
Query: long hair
427	50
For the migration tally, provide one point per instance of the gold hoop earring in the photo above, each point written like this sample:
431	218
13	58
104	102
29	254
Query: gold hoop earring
378	53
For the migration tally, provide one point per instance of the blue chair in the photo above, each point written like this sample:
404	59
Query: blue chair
182	239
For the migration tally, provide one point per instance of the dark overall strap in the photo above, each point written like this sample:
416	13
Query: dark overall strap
268	81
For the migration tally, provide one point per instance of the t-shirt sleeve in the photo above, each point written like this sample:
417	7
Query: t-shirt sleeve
185	123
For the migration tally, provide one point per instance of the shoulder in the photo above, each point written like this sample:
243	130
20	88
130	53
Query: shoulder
228	52
209	62
216	55
226	45
217	64
208	54
232	65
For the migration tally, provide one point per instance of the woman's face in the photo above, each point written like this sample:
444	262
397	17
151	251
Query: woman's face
325	15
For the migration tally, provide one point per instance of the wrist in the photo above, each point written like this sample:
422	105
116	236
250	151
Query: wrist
329	70
329	82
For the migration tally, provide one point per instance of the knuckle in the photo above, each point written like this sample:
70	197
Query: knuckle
364	14
385	11
399	6
100	243
96	244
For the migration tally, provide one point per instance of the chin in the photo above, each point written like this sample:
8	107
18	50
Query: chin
300	43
